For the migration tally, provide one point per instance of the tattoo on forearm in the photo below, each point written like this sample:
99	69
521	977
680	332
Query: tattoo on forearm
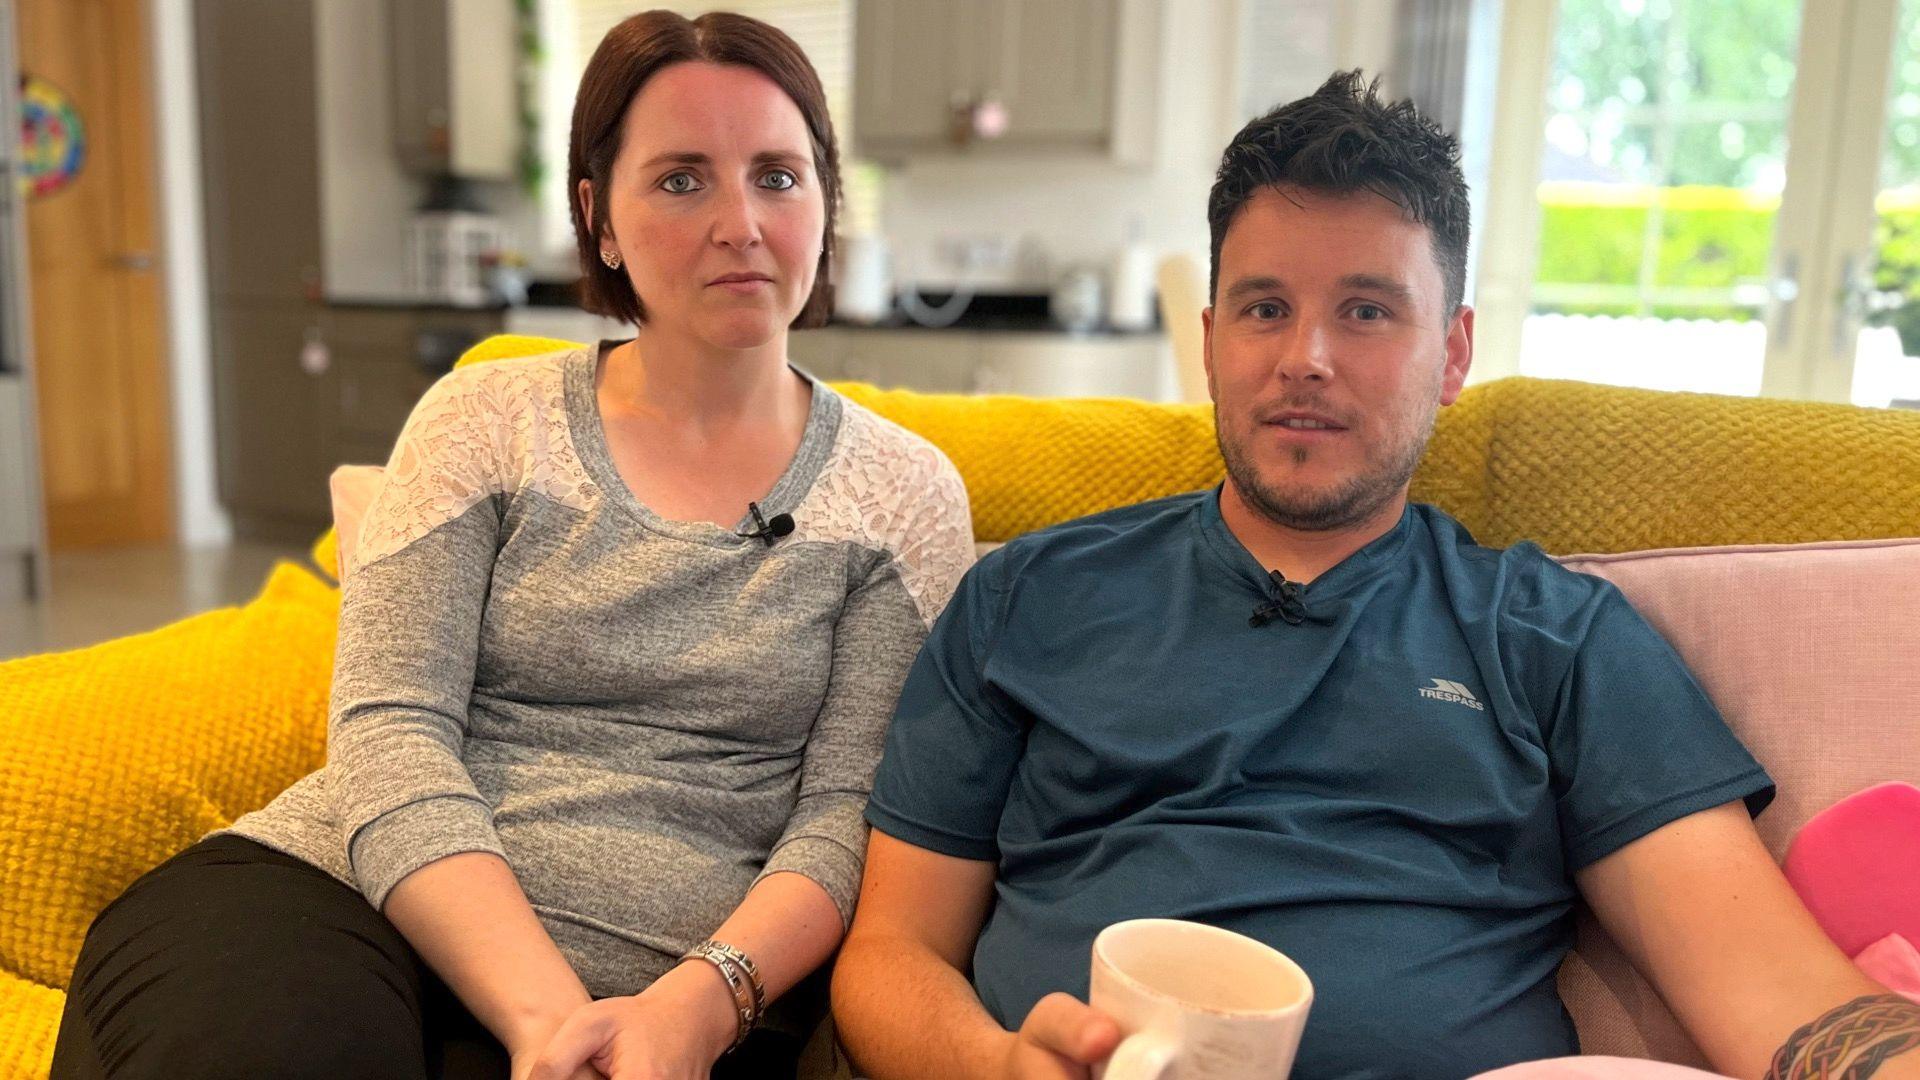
1850	1042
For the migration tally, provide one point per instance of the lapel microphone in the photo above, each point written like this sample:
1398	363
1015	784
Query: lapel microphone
1289	606
769	531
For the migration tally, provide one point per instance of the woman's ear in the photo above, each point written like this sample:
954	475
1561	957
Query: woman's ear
585	195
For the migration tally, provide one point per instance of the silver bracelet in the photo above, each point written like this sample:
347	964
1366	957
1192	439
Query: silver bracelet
738	988
746	964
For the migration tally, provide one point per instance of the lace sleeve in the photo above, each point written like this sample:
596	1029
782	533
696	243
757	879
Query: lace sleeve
442	464
936	547
477	433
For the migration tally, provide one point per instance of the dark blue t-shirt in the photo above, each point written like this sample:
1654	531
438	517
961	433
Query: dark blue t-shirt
1393	786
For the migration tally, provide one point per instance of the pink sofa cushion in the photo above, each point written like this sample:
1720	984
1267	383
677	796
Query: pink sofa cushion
1597	1068
1808	651
1856	865
1895	964
352	488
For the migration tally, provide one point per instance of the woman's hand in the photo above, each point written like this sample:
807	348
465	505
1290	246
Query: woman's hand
673	1030
529	1038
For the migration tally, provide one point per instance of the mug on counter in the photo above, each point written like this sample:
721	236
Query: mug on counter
1197	1002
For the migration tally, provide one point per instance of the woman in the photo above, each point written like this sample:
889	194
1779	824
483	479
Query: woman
618	645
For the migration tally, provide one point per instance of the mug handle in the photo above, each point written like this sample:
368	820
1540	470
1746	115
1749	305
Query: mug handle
1145	1055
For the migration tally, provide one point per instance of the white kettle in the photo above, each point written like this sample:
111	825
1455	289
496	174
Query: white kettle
863	281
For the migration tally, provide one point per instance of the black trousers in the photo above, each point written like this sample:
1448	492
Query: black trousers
234	960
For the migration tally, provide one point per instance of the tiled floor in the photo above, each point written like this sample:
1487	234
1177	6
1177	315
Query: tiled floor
104	594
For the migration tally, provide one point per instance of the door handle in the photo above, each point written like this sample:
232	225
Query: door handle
1785	291
1854	301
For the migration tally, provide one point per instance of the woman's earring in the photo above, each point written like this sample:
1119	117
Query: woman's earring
611	258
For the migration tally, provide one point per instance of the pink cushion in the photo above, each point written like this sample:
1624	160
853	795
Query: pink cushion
1596	1068
352	488
1894	963
1856	866
1808	650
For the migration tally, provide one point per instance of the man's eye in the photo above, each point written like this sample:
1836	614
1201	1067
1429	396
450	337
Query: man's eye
679	183
1370	312
780	180
1266	309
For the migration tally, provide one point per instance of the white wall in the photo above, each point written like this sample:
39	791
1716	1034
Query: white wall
199	518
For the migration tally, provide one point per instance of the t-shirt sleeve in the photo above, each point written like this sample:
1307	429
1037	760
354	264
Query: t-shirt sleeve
1634	742
952	749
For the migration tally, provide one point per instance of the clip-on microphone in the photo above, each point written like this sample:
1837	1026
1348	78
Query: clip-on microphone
781	525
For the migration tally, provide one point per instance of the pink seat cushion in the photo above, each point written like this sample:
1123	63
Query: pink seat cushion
1808	649
1597	1068
1895	964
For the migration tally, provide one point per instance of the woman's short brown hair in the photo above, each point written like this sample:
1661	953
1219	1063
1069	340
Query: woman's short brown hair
633	52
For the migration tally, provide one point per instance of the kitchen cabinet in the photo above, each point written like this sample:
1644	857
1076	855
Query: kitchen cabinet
454	105
259	148
1033	364
274	452
1039	363
307	387
923	69
920	359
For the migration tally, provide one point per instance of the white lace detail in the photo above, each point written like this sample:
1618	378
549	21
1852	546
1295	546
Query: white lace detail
479	432
891	490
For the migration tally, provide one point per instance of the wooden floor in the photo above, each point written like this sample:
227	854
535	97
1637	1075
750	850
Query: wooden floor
102	594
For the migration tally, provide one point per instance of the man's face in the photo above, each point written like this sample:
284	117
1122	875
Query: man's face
1328	354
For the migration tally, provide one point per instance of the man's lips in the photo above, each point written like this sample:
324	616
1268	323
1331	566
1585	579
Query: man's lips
1303	422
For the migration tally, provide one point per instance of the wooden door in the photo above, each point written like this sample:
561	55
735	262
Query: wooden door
100	367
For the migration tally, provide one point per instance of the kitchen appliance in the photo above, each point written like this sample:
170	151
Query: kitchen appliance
1077	302
863	282
448	241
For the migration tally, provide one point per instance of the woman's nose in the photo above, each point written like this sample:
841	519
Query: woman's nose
736	223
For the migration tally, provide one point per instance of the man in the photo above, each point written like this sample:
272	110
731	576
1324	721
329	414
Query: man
1302	709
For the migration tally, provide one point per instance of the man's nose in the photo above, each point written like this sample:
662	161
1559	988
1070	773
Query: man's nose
1306	353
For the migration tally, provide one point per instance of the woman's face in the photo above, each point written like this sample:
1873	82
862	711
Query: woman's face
714	205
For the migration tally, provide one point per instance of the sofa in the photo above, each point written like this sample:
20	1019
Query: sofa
125	752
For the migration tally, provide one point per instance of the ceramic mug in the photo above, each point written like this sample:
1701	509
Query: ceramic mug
1197	1002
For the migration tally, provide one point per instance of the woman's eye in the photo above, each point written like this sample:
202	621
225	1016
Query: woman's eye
780	180
679	183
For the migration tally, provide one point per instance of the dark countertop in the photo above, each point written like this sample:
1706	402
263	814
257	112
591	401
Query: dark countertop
1015	313
1002	313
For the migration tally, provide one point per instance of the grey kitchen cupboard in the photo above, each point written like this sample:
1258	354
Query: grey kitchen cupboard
1031	363
932	77
454	105
273	441
259	148
916	359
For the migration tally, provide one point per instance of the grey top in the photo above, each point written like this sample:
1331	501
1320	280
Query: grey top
642	716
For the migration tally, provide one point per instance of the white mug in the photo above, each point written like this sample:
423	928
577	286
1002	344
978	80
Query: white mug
1197	1002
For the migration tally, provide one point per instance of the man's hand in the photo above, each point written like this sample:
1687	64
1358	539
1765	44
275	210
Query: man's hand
1062	1039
